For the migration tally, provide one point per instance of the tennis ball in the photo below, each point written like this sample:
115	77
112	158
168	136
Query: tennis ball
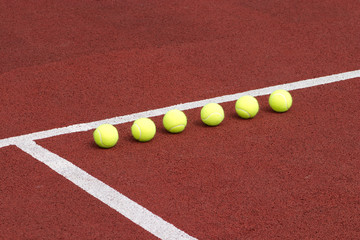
175	121
212	114
143	129
247	107
106	136
280	100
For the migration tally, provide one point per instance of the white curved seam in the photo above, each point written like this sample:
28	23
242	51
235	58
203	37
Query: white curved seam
139	130
176	126
100	136
211	115
239	109
286	103
101	140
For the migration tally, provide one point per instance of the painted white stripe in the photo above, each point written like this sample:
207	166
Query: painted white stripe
184	106
125	206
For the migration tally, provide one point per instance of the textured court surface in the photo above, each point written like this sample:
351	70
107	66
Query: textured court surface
278	176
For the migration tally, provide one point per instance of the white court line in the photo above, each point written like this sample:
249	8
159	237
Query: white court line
184	106
130	209
125	206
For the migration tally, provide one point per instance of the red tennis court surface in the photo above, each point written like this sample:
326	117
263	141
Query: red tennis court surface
278	176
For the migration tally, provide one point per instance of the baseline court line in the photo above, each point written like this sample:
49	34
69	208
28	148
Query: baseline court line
183	106
125	206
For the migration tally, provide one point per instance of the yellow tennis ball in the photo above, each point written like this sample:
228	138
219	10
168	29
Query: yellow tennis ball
280	100
212	114
175	121
247	107
143	129
106	136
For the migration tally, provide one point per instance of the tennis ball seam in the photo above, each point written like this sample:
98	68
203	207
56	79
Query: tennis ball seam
135	124
286	102
176	126
204	119
101	140
239	109
98	131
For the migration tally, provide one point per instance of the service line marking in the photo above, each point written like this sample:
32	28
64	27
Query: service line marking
125	206
82	127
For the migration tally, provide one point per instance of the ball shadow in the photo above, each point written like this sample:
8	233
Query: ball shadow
129	138
93	145
267	109
234	115
199	123
162	130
